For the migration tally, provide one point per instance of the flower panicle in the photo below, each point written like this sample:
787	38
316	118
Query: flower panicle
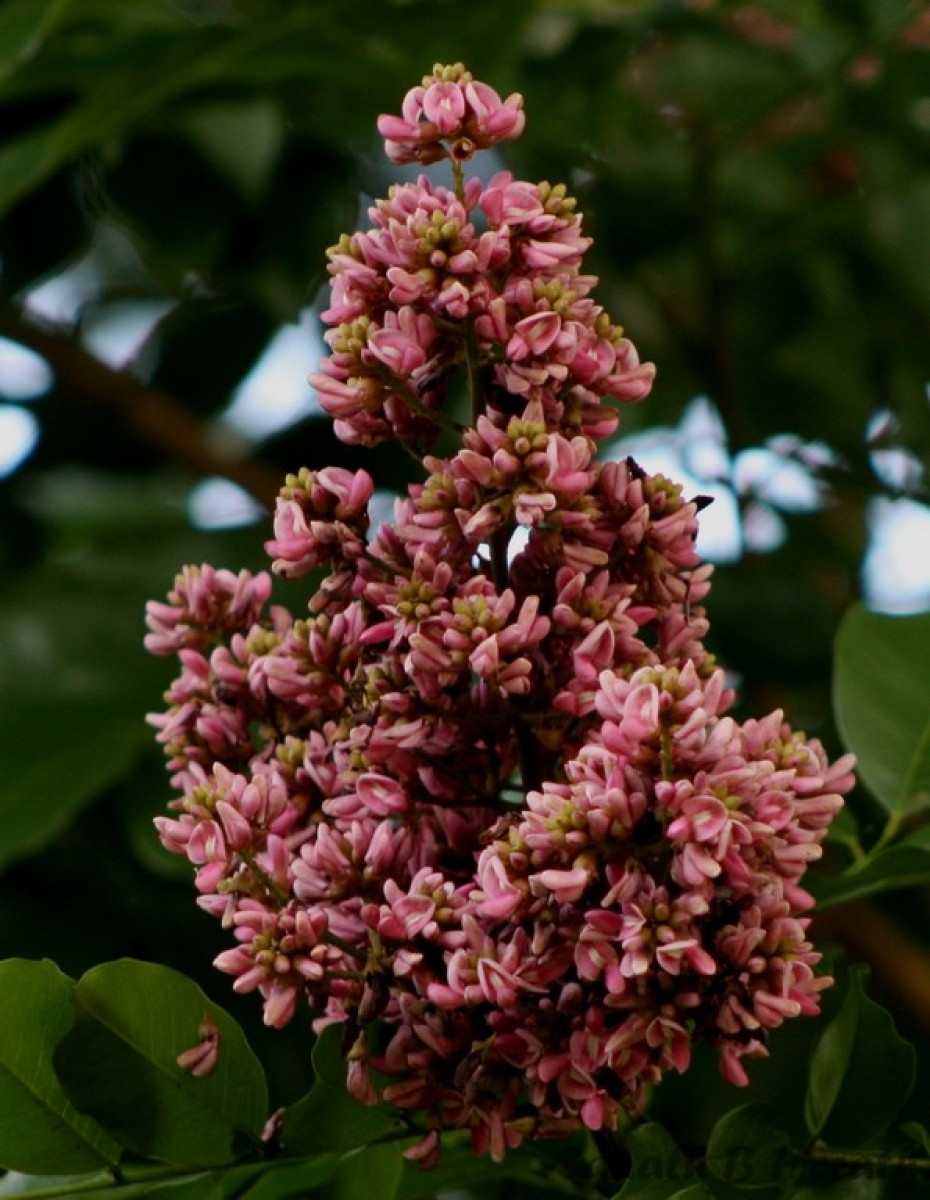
483	800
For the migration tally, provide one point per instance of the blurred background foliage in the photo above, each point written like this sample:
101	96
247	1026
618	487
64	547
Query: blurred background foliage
757	179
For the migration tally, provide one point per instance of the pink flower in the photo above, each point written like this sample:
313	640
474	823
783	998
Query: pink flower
450	106
479	796
202	1058
205	602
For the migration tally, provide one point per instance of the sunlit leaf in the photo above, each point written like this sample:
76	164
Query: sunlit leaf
881	692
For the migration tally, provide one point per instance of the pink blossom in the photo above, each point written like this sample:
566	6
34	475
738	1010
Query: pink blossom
480	796
201	1059
450	106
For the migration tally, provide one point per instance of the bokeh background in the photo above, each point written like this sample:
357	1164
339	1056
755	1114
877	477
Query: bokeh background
757	179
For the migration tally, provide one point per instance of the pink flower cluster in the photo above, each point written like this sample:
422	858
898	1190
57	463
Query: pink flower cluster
450	107
483	277
482	803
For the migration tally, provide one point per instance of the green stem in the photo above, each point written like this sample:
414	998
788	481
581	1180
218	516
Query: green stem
458	180
333	939
277	893
888	834
666	761
400	389
388	568
848	1158
475	391
114	1179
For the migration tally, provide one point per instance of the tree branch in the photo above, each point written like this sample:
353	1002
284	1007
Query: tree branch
901	964
150	414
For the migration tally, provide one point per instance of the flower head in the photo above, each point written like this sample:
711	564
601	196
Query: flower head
482	799
450	114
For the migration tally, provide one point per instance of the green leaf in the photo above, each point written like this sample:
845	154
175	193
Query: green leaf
881	694
460	1168
119	1064
90	748
371	1173
848	1187
15	1184
905	864
206	347
202	1186
861	1073
328	1118
290	1181
24	26
749	1149
660	1170
60	746
41	1131
147	78
918	1134
78	621
113	106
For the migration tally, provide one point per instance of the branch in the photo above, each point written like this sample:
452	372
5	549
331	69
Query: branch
150	414
901	964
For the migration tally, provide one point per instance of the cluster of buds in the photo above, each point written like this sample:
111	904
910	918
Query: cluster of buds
483	803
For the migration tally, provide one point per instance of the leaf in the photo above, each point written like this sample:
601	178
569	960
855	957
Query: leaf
918	1134
861	1073
543	1169
61	746
90	745
145	79
206	347
15	1184
848	1187
41	1131
25	163
459	1168
660	1169
881	695
290	1181
371	1173
202	1186
905	864
24	26
748	1148
328	1118
119	1064
75	681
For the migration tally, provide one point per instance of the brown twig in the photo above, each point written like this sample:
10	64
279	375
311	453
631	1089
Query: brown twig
150	414
902	965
